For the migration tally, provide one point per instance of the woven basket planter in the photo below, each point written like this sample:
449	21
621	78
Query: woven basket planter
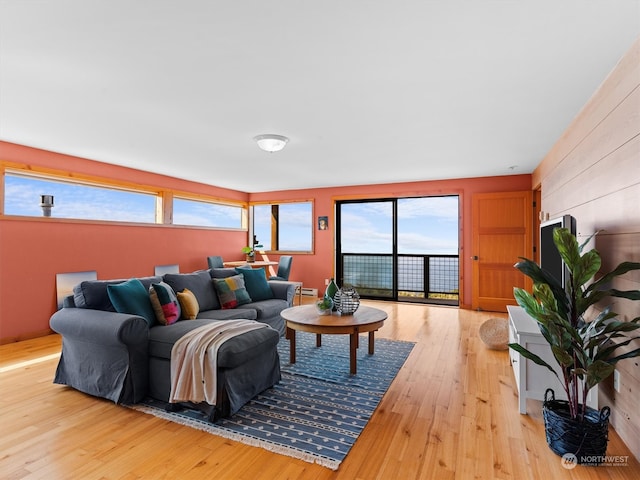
586	439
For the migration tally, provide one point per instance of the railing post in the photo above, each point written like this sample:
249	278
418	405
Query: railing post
426	276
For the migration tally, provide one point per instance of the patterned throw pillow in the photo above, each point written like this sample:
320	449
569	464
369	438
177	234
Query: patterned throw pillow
165	303
188	304
131	297
231	291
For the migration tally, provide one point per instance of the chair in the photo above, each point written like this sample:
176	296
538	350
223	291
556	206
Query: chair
284	268
215	261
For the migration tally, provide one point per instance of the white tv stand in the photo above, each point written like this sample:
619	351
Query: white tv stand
532	380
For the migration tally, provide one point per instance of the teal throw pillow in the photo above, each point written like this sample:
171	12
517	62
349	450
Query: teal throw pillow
165	303
256	283
231	291
131	297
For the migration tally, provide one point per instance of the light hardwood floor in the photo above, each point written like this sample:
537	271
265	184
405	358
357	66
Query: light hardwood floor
450	413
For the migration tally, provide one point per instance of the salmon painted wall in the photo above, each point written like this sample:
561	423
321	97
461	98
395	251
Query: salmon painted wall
312	270
33	250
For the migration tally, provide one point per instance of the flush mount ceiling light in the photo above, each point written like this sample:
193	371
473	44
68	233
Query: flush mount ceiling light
270	142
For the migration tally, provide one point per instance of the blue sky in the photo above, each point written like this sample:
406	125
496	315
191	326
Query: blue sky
295	223
22	197
427	225
188	212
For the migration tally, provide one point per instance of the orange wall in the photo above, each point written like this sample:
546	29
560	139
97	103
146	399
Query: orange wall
312	270
33	250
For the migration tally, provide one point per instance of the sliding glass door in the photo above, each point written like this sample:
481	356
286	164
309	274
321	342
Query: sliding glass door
400	249
366	246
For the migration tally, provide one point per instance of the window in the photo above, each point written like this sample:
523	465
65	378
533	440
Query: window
206	214
76	200
285	227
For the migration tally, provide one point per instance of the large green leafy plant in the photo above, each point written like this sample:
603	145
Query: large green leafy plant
585	348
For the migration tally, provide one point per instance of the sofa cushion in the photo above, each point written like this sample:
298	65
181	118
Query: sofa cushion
239	350
93	293
231	291
131	297
256	283
222	272
230	314
165	303
232	353
266	308
188	304
199	283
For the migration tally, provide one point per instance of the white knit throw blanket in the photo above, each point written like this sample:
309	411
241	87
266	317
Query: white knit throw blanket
194	359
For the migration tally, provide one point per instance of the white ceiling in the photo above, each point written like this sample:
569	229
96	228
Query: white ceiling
368	91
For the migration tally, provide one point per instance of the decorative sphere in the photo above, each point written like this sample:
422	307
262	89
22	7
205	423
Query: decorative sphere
346	300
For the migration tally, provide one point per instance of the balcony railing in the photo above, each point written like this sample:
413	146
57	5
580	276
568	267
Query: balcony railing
419	278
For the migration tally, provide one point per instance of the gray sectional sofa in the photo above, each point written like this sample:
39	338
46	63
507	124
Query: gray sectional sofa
126	357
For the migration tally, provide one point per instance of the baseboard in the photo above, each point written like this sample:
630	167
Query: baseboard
27	336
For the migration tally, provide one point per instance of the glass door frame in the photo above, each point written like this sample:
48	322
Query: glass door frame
394	243
439	264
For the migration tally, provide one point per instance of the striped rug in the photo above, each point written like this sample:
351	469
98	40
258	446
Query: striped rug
318	409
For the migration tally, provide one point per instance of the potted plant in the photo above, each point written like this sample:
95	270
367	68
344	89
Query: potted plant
250	253
324	305
583	340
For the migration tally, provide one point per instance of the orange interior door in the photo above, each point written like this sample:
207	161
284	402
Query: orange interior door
502	224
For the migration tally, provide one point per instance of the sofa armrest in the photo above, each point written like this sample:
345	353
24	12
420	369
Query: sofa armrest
283	290
104	354
97	326
68	302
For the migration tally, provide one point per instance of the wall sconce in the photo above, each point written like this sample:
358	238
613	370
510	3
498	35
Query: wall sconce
270	142
46	202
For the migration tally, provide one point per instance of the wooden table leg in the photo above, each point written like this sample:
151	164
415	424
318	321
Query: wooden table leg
318	340
371	342
353	340
291	335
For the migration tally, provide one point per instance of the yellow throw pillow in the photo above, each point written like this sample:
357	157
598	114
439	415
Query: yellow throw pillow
188	304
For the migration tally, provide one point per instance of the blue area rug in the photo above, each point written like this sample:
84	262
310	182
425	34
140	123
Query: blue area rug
318	409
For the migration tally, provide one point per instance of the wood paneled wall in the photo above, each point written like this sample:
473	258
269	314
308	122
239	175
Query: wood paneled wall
593	173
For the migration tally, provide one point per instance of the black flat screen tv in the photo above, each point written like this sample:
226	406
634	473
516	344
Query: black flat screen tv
550	259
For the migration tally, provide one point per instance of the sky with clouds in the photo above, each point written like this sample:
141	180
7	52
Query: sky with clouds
22	197
426	225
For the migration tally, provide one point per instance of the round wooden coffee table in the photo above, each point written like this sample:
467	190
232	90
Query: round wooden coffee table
305	318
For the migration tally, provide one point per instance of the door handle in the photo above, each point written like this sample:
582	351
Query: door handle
475	257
